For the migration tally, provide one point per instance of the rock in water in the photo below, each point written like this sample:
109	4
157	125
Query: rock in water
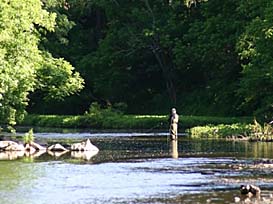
237	199
29	149
15	147
57	147
84	146
90	147
10	146
57	153
85	155
37	146
250	190
11	155
76	147
38	153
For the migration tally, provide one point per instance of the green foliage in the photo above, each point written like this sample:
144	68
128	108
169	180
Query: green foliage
24	66
56	78
255	48
29	137
107	119
152	54
207	60
253	132
261	132
220	131
206	57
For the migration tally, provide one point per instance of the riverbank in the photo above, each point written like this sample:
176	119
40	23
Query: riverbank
121	121
232	131
240	131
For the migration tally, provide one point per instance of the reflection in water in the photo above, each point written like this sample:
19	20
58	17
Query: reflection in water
11	155
17	181
57	154
174	149
36	154
136	170
85	155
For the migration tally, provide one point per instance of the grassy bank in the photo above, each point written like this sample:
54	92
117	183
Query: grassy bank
253	131
121	121
237	130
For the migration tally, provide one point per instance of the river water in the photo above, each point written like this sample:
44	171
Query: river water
138	168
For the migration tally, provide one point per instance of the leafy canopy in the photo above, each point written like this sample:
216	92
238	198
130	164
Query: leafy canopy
24	66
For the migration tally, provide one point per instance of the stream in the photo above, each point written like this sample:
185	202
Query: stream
138	168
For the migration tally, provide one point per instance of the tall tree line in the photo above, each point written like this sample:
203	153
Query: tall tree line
205	57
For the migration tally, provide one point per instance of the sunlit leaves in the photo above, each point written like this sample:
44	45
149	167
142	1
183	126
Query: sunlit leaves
21	58
255	48
57	79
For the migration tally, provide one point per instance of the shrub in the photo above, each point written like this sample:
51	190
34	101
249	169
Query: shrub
29	137
98	118
261	132
220	131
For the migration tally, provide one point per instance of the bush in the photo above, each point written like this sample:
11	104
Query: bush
220	131
29	137
98	118
261	132
253	132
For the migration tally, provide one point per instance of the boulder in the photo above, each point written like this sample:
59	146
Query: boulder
37	146
250	190
29	149
77	147
57	147
6	143
90	147
11	146
15	147
84	146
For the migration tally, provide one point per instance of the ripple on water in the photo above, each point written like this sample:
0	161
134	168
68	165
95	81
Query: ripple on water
133	170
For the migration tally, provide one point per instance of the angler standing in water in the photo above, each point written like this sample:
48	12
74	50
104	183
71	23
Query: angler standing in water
173	124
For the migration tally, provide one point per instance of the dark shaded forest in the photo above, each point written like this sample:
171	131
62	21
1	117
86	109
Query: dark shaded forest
205	57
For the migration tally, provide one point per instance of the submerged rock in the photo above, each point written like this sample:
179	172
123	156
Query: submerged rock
84	146
237	199
250	190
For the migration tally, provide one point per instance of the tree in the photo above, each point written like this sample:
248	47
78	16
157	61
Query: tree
207	59
206	56
24	66
137	49
255	47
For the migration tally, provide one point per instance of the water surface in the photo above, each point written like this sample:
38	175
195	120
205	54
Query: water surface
136	168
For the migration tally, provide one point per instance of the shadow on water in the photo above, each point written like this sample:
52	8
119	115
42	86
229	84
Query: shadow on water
136	168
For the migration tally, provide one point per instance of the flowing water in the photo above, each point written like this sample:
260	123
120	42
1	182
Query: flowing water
137	168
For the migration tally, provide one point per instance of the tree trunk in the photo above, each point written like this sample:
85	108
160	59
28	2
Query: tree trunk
166	64
163	58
